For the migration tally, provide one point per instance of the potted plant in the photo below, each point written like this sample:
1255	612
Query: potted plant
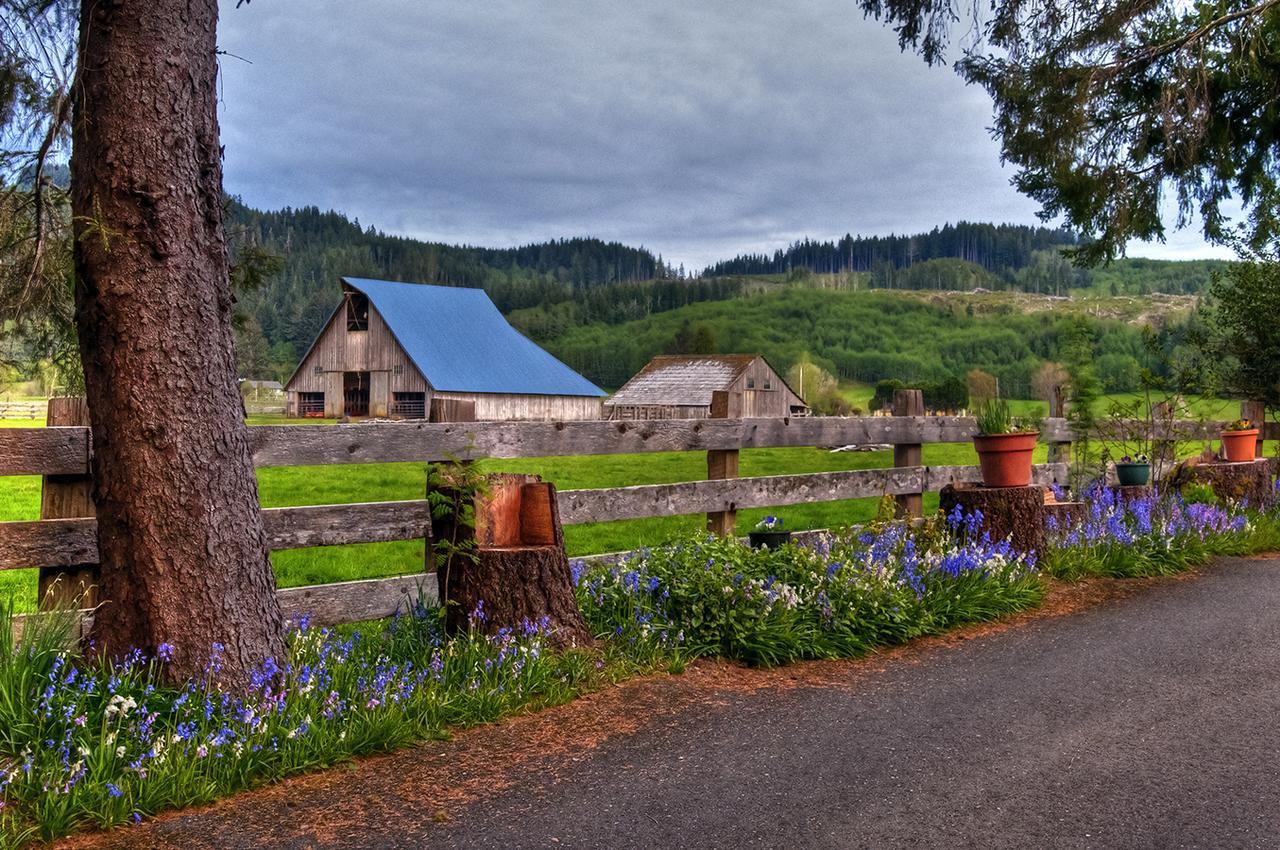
769	534
1240	441
1005	444
1133	471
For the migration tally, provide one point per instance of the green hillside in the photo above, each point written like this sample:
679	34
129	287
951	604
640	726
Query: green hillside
867	336
564	292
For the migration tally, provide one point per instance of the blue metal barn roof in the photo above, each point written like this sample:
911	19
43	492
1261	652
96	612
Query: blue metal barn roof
461	343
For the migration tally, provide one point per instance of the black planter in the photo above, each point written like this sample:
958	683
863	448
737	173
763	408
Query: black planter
768	539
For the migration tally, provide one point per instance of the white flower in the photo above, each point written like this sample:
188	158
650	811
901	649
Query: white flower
119	752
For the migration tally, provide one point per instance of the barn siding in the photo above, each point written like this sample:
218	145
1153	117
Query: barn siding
338	350
542	408
376	351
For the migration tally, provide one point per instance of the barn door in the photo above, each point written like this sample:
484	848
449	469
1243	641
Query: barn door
379	393
333	395
355	393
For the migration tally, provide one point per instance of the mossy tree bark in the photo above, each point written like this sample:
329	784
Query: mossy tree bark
183	552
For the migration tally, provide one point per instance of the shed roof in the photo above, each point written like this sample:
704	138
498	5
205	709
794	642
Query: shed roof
682	379
461	343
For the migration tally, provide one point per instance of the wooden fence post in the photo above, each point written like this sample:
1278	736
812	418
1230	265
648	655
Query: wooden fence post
723	463
1058	452
1164	451
909	403
1256	412
67	497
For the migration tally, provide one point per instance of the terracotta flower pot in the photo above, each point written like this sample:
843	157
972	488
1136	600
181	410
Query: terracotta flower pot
1006	458
1240	446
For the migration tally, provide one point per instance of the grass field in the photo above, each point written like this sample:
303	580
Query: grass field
291	486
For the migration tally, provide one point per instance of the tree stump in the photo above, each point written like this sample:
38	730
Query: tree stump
1250	482
511	568
1061	516
1016	513
1132	493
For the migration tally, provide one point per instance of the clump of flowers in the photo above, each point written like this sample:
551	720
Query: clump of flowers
104	743
843	595
1153	534
770	523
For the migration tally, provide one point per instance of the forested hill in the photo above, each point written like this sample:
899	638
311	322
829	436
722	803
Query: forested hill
552	288
316	248
998	248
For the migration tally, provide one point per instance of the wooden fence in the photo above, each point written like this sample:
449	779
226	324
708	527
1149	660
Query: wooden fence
21	409
63	542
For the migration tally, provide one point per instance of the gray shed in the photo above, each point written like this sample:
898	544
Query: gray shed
679	386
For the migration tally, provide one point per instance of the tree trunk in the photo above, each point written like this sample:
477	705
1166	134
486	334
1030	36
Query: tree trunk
183	553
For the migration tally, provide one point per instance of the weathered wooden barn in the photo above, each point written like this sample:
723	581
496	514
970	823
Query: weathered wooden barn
404	349
678	386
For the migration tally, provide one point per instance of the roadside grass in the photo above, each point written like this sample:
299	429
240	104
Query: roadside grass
852	593
89	743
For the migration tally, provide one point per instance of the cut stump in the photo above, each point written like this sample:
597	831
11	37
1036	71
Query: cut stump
1059	516
510	569
1250	482
1131	493
1015	513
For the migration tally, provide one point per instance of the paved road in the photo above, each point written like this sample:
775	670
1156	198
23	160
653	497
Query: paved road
1149	722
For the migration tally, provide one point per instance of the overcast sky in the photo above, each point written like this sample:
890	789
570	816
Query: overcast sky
697	129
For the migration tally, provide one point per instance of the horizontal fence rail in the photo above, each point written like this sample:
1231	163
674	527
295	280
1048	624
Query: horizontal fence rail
66	450
69	542
697	497
64	453
321	604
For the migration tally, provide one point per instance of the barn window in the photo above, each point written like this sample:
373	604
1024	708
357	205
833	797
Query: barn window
409	405
751	383
319	370
357	312
768	383
311	404
397	369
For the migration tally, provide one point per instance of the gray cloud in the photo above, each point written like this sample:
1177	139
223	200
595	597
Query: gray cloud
696	129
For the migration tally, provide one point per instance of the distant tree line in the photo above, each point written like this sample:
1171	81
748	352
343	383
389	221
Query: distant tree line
994	247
